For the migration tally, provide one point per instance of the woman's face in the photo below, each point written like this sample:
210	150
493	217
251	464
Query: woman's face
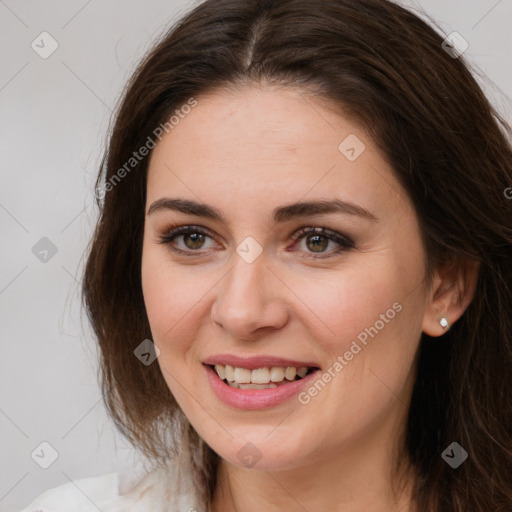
246	289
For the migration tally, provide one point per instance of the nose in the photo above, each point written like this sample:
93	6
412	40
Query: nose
248	302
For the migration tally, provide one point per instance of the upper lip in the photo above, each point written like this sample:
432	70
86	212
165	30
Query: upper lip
253	362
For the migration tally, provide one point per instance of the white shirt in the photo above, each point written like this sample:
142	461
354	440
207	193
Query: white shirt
162	490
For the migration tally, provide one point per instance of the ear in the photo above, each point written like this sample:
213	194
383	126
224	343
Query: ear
453	289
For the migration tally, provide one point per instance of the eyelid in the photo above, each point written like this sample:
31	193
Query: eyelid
321	230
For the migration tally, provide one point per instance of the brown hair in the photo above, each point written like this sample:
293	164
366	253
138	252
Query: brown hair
450	150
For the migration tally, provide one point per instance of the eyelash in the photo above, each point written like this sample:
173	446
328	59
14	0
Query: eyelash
344	242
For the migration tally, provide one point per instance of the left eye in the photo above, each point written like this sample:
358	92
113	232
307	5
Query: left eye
192	236
317	240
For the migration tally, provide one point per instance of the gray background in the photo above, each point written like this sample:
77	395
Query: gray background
54	114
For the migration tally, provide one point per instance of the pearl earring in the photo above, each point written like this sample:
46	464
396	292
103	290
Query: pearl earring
444	323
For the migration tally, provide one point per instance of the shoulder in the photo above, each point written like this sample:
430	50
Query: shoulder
81	495
133	491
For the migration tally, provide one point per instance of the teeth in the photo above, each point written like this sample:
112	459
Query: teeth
242	375
229	372
276	374
290	373
252	386
301	372
262	378
221	372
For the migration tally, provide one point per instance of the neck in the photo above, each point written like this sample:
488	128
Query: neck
352	479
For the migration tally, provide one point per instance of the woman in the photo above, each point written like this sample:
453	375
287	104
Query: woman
300	278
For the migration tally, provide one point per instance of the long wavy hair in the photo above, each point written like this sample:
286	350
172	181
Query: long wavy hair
448	147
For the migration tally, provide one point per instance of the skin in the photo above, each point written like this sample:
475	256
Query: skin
247	152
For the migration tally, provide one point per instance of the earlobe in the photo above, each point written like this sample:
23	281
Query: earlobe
452	291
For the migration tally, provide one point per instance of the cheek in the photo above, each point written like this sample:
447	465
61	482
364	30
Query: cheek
171	297
347	304
371	316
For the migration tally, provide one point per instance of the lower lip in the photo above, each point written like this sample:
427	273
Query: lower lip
251	399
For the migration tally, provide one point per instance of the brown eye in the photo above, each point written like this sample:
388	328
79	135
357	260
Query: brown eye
317	240
317	243
193	240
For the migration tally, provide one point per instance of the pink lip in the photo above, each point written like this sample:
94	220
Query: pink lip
252	399
252	363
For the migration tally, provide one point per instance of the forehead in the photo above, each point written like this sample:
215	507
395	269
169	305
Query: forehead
256	144
240	123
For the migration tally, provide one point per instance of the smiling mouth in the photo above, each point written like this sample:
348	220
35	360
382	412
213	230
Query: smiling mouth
260	378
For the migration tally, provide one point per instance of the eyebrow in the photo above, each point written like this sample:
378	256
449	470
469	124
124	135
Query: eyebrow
280	214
